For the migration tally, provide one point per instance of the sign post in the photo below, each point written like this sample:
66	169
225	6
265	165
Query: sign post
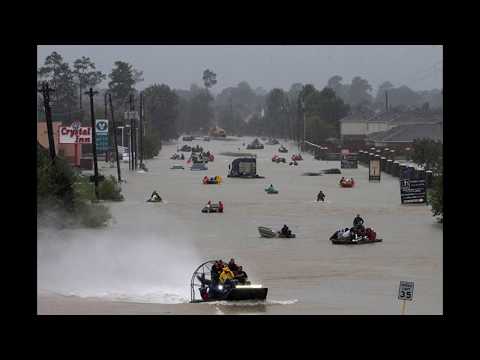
405	293
101	132
374	170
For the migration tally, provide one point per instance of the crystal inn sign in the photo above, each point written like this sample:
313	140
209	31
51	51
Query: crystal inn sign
75	134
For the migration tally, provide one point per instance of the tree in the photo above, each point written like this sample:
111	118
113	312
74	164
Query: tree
61	78
427	153
123	78
161	110
341	90
200	114
276	113
209	78
359	91
436	194
84	69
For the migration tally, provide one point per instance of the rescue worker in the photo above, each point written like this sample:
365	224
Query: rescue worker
226	276
155	196
241	276
285	230
321	196
232	266
358	222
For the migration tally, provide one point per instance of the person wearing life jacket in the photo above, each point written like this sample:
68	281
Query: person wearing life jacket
241	275
220	207
342	179
226	276
271	188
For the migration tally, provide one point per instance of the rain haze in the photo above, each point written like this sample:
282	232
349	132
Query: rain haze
416	66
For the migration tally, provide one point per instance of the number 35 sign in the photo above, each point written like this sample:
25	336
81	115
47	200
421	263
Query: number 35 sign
405	291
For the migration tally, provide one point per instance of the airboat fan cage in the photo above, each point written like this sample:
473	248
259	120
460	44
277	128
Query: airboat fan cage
204	271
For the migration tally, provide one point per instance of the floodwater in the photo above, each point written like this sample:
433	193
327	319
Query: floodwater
143	261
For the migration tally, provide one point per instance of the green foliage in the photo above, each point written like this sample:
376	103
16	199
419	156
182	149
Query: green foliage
161	110
109	189
200	113
61	191
436	197
209	78
427	153
123	78
152	145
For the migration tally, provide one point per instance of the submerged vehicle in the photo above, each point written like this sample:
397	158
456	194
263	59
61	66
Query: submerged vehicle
175	157
332	171
188	138
206	138
245	167
207	289
370	236
347	183
177	167
282	149
269	233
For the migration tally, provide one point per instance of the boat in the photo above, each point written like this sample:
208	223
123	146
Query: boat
297	157
347	183
361	241
312	174
282	149
278	159
272	142
269	233
202	289
255	145
214	208
154	200
217	180
369	237
186	148
199	167
177	167
271	191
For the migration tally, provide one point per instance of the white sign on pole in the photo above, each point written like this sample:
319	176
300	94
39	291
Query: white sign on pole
405	291
70	135
131	115
101	126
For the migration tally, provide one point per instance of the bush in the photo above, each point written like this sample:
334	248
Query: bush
109	189
436	198
92	215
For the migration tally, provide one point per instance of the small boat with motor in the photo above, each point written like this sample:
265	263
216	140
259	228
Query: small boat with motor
213	207
347	237
282	149
347	183
269	233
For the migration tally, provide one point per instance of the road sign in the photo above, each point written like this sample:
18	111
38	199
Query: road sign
101	132
405	291
101	126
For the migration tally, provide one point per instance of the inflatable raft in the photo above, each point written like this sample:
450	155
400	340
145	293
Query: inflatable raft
347	183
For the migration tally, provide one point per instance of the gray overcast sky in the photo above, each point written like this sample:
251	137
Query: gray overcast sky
417	66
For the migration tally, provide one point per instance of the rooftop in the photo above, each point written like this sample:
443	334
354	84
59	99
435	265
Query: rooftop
410	132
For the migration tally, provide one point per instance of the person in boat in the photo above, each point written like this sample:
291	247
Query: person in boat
358	222
182	157
155	196
215	272
321	196
209	205
286	231
220	206
227	276
347	234
232	266
342	179
271	188
241	276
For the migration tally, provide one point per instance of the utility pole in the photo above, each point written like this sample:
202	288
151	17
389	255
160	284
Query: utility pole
94	140
141	129
386	101
115	139
304	125
45	90
131	132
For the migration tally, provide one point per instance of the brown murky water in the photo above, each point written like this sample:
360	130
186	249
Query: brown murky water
142	263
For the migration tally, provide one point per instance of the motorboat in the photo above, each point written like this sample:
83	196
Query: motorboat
269	233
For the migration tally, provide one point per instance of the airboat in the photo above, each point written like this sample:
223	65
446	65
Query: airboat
202	289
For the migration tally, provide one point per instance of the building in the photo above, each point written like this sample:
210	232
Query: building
358	126
66	151
402	136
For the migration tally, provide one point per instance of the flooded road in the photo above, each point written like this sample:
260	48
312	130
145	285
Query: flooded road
142	263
